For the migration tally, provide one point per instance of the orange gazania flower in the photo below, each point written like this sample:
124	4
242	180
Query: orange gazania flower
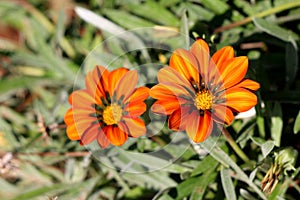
108	109
198	92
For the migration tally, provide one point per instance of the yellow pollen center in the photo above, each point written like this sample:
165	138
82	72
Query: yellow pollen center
203	100
112	114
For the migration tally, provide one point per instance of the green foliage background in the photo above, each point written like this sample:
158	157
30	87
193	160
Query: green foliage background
44	43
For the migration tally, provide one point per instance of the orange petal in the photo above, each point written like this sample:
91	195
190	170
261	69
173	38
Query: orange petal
96	82
200	50
217	63
168	74
169	90
102	139
135	109
79	126
78	114
116	135
177	120
222	114
222	55
199	127
240	99
82	99
69	119
114	77
135	127
185	64
248	84
165	107
89	135
72	132
234	70
140	94
76	127
126	84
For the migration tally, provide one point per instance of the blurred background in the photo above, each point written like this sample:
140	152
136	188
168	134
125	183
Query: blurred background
43	46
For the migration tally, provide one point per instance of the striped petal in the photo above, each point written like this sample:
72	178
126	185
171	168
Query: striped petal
115	135
199	127
186	64
114	77
134	127
234	71
248	84
200	50
126	85
240	99
222	114
102	140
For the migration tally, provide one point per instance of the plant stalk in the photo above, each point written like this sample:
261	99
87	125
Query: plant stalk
235	146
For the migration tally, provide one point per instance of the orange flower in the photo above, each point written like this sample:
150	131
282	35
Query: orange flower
108	109
198	92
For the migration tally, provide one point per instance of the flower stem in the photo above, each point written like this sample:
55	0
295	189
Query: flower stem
235	146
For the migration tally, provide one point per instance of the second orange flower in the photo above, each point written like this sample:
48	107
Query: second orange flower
198	92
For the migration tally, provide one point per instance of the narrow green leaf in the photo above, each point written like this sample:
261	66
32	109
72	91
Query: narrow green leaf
196	186
224	158
198	12
276	124
217	6
267	147
200	190
297	124
185	28
104	24
207	163
13	84
275	30
261	126
227	184
153	11
127	20
158	180
247	195
57	188
291	60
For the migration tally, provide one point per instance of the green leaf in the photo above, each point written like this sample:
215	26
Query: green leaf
198	12
276	124
13	84
227	184
127	20
104	24
57	188
261	126
158	180
275	30
291	60
267	147
205	164
200	190
217	6
224	158
297	124
153	11
196	185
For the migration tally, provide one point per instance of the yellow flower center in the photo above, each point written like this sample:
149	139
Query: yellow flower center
203	100
112	114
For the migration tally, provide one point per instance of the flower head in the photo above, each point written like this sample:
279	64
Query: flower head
108	109
198	91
